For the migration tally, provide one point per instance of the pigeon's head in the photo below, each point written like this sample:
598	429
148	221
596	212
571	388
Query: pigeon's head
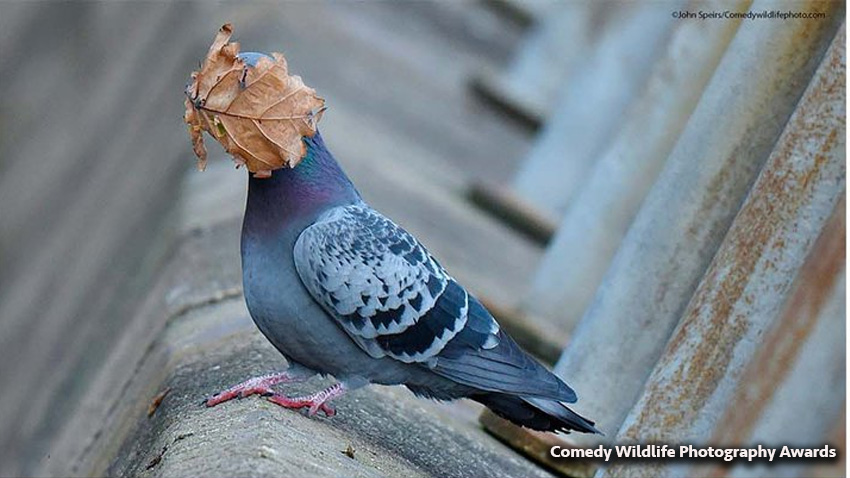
251	105
252	57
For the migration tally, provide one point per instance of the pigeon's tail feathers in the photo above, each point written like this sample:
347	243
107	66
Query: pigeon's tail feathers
536	413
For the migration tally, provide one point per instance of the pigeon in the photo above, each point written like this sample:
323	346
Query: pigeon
339	289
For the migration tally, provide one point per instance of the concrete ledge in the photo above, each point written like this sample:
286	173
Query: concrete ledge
390	432
200	272
193	337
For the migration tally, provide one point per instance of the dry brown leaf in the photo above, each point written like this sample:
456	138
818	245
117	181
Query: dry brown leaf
157	401
259	114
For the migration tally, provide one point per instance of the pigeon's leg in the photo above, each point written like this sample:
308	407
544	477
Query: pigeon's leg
315	402
258	385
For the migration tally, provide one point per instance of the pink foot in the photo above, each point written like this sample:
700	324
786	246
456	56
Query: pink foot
314	402
257	385
302	402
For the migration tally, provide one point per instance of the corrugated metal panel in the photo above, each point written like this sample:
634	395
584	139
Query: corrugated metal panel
611	195
591	107
530	84
743	291
689	210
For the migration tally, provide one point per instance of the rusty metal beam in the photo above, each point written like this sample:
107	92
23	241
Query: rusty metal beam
530	84
808	399
592	104
690	208
814	310
742	295
607	202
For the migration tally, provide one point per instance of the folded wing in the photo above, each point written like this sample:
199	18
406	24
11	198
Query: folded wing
394	300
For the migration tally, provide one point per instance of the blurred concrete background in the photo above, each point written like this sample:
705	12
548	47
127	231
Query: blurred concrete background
94	152
559	158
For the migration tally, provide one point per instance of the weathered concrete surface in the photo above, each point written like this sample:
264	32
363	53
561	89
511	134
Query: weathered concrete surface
85	198
203	270
523	12
799	370
91	151
512	210
209	348
403	74
200	340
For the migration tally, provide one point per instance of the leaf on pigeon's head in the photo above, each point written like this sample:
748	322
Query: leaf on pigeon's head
252	106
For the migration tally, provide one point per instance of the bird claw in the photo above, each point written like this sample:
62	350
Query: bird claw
230	394
254	386
262	386
314	405
327	409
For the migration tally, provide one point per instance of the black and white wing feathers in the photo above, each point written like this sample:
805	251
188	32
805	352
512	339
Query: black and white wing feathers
380	284
393	299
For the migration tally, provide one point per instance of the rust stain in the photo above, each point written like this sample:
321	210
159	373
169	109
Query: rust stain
795	53
709	331
777	354
838	439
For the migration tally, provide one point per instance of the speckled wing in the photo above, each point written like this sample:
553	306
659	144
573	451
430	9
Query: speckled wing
384	288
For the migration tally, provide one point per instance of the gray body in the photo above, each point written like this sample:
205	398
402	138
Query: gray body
280	304
413	324
298	326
